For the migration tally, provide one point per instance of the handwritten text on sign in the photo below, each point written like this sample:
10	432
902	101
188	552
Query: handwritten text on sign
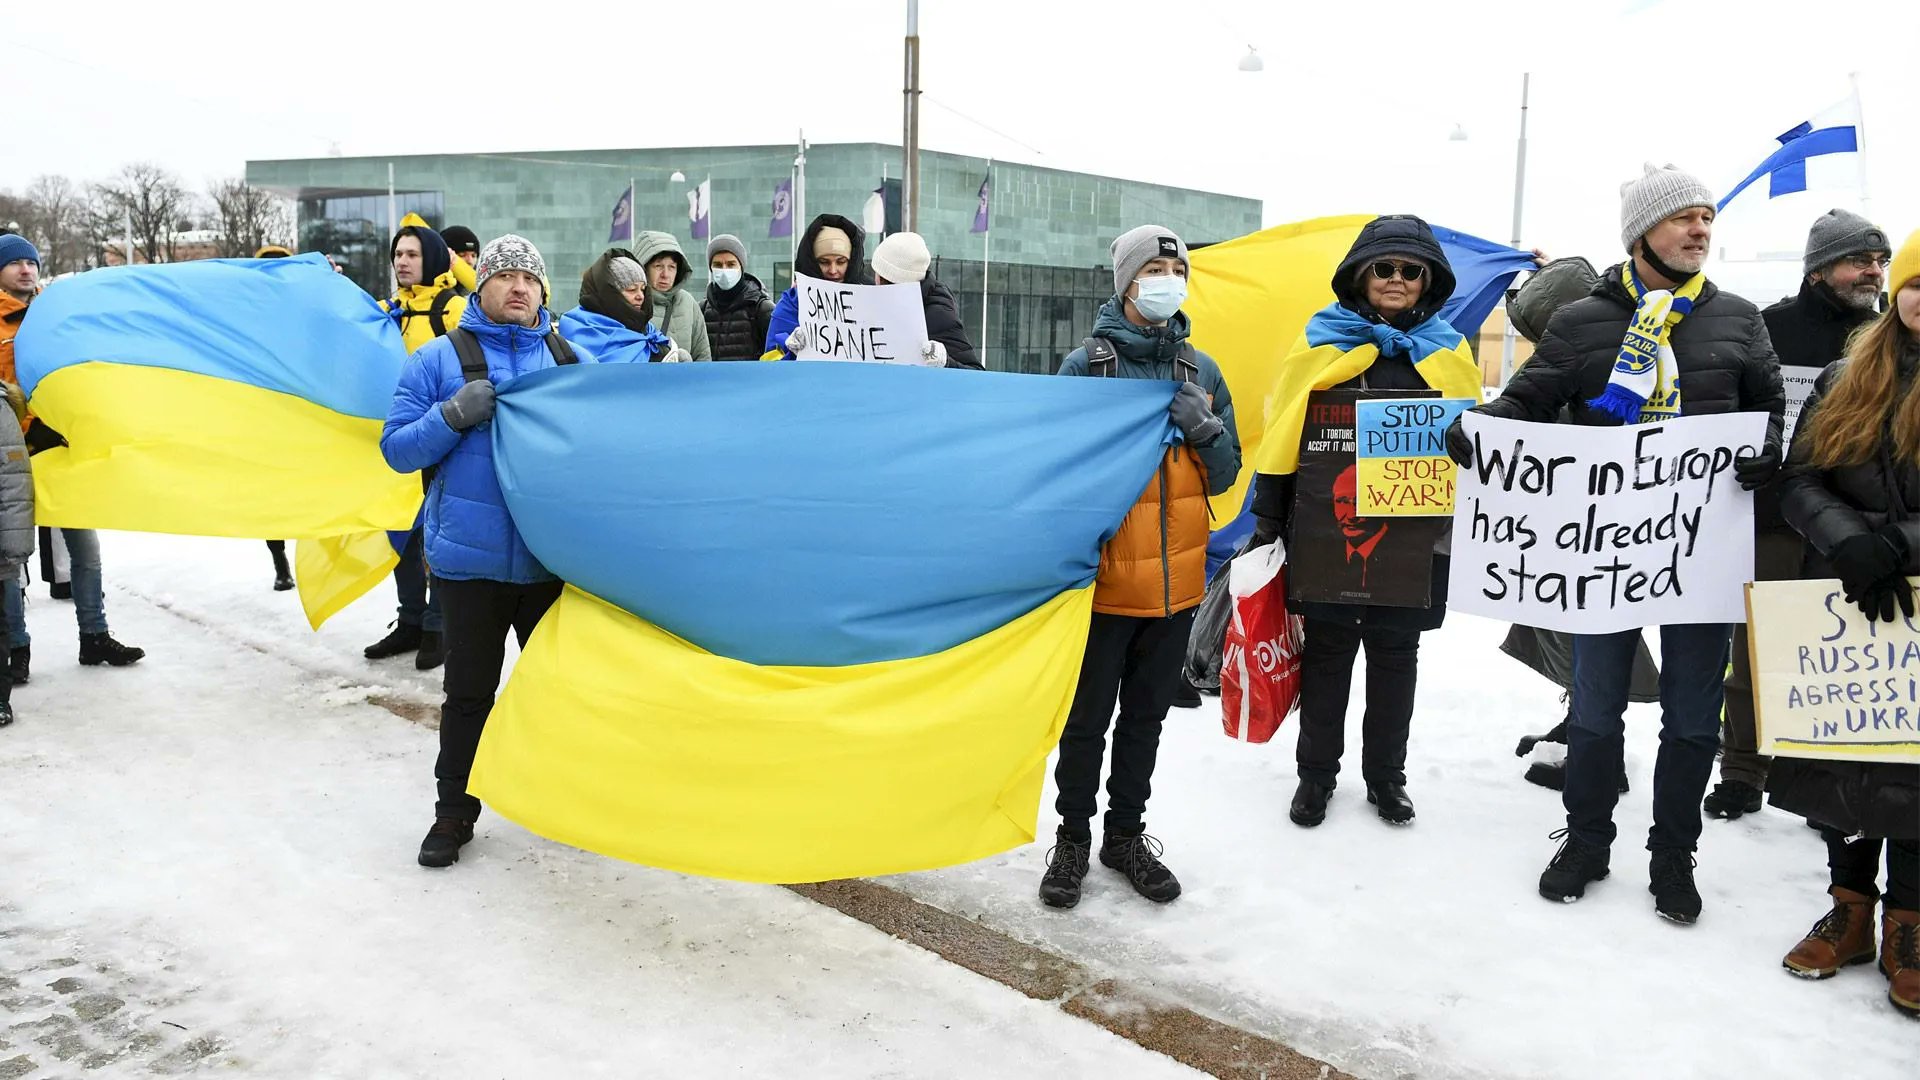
871	324
1829	683
1404	470
1593	530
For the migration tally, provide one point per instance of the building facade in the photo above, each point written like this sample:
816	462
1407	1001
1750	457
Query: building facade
1050	229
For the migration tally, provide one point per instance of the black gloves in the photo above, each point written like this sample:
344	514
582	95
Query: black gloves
1754	472
1878	600
1459	447
1871	567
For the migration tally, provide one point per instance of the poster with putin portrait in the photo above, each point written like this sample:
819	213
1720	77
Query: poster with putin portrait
1339	556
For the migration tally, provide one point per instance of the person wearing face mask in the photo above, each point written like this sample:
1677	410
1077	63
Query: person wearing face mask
1153	572
614	319
675	311
1709	353
1845	267
902	259
832	249
1383	332
737	308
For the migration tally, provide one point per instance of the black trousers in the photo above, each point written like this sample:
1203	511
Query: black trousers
1136	662
1856	866
1326	684
478	616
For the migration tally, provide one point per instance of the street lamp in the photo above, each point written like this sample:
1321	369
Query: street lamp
1252	61
1459	134
678	177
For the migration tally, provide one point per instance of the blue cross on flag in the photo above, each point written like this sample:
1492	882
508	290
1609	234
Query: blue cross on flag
1823	152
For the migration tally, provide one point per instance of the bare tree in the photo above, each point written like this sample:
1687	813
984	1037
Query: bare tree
152	202
246	217
56	209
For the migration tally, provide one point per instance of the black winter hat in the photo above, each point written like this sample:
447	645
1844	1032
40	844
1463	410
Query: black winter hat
1395	234
460	238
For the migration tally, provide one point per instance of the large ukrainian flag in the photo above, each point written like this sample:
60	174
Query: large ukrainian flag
822	620
230	397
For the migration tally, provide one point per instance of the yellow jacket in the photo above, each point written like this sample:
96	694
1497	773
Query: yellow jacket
416	305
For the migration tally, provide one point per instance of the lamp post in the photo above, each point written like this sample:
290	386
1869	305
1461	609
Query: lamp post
910	136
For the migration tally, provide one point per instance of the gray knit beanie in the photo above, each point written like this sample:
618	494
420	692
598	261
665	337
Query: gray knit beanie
1838	234
1661	192
508	252
625	272
727	242
1136	248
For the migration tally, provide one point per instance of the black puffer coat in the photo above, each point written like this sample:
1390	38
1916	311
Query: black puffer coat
1726	361
1828	506
737	319
944	325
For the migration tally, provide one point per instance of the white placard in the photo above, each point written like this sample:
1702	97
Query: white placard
1593	530
868	324
1797	382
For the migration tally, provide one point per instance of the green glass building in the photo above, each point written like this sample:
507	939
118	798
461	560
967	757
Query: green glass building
1049	237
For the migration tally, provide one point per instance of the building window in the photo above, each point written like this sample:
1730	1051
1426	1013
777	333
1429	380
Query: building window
355	229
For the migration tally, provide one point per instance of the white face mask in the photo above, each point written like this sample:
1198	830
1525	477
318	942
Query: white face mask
727	278
1160	297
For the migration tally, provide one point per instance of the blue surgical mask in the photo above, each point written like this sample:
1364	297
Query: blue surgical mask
724	279
1160	297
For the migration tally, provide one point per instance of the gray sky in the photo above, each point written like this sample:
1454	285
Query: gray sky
1351	115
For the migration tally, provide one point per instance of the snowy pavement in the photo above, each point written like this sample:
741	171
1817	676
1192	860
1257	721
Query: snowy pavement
206	865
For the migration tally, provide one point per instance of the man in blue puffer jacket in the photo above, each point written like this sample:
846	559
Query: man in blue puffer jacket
488	581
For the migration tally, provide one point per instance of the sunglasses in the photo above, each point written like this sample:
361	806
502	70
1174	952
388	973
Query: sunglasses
1409	272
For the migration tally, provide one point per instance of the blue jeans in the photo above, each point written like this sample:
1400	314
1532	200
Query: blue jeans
1693	663
89	594
419	600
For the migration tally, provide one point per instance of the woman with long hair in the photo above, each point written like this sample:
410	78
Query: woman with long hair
1852	488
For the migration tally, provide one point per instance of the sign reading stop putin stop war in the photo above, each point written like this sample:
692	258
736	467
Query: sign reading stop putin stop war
1827	681
1594	530
1404	470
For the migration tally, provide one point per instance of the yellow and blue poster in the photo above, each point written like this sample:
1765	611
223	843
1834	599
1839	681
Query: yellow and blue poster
1401	455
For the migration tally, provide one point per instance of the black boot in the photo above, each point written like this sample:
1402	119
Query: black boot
1066	869
19	664
282	573
1670	880
403	639
96	649
1310	804
1553	774
433	651
1137	855
6	713
1574	867
1185	696
1731	798
1391	801
444	840
60	590
1556	734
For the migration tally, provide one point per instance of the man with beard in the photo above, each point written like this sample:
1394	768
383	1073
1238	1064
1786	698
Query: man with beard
1845	267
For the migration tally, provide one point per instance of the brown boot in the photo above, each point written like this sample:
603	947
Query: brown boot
1900	959
1843	936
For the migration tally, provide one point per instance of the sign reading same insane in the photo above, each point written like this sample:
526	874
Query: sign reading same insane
1402	450
868	324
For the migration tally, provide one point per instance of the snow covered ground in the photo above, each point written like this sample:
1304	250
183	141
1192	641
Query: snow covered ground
206	864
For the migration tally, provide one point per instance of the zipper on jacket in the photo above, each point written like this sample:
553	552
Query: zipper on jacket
1166	566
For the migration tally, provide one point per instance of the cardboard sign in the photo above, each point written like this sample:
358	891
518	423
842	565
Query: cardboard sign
1827	681
1402	454
867	324
1340	555
1594	530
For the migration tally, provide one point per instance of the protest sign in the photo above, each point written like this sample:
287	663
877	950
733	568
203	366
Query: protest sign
1827	681
1338	555
1402	454
1593	530
1797	383
870	324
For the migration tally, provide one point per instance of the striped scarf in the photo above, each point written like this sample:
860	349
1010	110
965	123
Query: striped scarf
1645	386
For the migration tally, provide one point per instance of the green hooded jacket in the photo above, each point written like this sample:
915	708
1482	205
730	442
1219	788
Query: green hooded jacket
677	311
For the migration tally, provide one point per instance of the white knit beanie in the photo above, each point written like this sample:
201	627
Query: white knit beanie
902	258
1661	192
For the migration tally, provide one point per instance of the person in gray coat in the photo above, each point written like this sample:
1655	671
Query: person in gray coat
16	518
676	311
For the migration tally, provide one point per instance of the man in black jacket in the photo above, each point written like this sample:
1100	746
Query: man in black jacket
737	307
1845	267
903	259
1717	359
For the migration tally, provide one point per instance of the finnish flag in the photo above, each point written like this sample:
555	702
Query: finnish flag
1819	153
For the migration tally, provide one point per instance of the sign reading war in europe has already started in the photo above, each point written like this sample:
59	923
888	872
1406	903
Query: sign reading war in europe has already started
867	324
1828	681
1594	530
1402	452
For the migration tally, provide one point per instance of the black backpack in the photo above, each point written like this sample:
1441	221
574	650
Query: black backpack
1101	357
436	312
473	365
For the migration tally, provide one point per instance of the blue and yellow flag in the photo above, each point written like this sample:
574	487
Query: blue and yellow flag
230	397
822	620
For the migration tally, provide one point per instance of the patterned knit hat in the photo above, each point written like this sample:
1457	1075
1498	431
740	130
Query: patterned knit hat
509	252
1661	192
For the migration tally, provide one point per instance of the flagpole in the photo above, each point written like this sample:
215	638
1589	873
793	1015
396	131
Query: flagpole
633	196
986	267
1519	204
799	192
393	228
1860	142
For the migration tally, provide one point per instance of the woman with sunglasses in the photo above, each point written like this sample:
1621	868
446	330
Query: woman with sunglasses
1383	332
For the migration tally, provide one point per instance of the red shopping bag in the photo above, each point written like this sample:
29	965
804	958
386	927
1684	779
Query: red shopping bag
1260	669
